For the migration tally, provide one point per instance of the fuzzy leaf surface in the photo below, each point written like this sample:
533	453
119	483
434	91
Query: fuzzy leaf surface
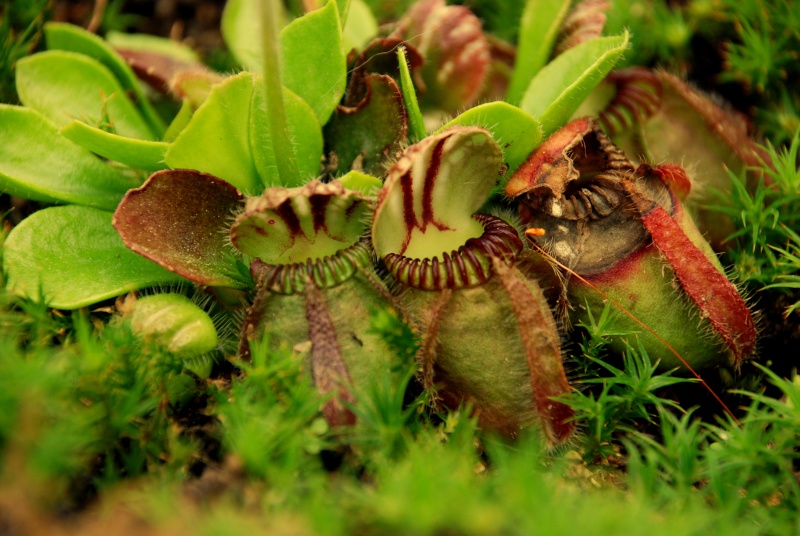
178	219
73	257
60	36
216	140
141	154
38	163
517	132
64	86
220	141
563	84
305	135
416	124
313	62
541	20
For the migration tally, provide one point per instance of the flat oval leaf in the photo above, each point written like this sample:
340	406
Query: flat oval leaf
178	219
64	86
216	140
541	20
72	257
167	66
152	43
305	134
36	162
241	29
141	154
313	63
517	132
175	323
425	208
60	36
563	84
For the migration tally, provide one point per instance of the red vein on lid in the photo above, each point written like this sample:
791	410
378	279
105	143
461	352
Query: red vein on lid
319	204
409	218
286	212
431	174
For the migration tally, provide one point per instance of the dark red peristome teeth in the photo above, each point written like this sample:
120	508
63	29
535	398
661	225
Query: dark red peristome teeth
470	265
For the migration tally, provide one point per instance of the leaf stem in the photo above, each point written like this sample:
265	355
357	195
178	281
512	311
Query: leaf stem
273	87
415	122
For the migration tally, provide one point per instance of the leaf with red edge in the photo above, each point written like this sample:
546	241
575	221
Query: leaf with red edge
366	136
615	226
157	60
715	296
178	219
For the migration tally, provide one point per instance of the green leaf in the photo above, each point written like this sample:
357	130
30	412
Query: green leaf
216	140
64	86
241	29
60	36
179	219
147	155
360	26
180	121
275	116
36	162
73	257
312	57
305	135
151	43
563	84
517	133
344	8
361	182
228	136
416	125
539	27
313	63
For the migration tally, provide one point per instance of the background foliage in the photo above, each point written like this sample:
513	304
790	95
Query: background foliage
98	429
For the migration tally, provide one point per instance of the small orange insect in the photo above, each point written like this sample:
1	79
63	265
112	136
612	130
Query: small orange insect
535	231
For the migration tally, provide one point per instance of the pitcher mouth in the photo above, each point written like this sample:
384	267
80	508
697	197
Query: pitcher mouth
326	272
468	266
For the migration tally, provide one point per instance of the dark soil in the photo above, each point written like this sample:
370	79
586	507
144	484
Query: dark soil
194	22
